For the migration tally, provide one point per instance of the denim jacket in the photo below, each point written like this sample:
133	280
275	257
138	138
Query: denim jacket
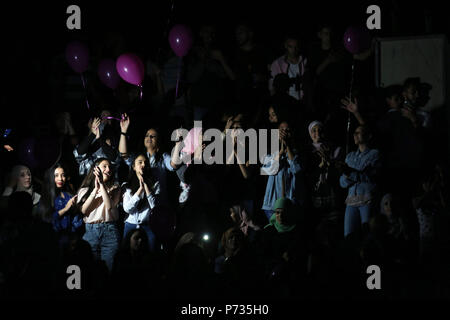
85	161
360	183
287	168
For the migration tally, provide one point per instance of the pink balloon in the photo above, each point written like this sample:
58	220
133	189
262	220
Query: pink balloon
180	39
130	68
77	56
356	39
108	74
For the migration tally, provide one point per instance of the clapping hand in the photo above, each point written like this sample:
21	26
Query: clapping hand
71	202
98	178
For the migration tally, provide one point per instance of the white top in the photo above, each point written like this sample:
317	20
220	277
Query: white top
131	202
100	214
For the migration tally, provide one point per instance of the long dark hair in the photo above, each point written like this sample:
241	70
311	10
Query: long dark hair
159	153
89	180
133	181
50	192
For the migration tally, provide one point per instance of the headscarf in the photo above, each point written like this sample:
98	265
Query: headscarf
244	222
282	203
310	127
192	141
313	124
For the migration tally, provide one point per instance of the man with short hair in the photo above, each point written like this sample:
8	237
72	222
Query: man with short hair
293	64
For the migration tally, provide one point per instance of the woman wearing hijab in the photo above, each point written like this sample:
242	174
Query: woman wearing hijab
283	248
322	173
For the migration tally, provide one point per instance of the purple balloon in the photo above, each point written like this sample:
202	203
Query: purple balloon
180	39
356	39
130	68
108	74
77	56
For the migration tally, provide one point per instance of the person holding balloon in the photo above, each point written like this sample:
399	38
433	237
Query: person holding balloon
101	142
159	162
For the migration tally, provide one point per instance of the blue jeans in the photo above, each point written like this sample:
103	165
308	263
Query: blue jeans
104	239
151	236
354	217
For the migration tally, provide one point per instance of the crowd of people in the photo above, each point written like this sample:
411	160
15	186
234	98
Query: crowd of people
361	179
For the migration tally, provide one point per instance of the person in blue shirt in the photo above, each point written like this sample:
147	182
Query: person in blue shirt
283	168
359	178
58	204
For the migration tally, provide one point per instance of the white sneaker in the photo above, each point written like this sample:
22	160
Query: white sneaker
184	195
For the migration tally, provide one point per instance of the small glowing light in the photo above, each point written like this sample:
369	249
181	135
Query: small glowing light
108	75
126	69
178	40
205	237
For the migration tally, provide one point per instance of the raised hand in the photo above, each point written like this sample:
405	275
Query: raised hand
95	127
350	106
124	123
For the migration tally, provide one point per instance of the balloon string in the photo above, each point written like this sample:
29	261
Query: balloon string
178	78
169	18
349	118
84	86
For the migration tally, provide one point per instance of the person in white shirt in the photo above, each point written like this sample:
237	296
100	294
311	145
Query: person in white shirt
140	198
293	64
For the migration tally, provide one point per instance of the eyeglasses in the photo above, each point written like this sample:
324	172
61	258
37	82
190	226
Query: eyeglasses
150	136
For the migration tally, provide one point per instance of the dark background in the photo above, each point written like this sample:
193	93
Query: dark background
33	34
